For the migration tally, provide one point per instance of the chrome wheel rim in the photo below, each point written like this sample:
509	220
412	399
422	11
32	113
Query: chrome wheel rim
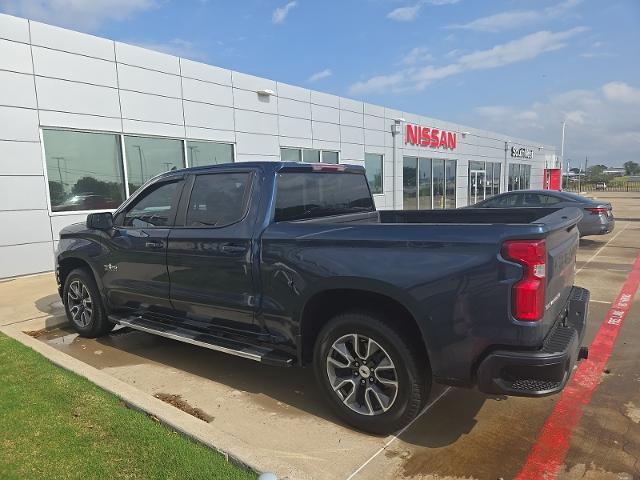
362	374
79	303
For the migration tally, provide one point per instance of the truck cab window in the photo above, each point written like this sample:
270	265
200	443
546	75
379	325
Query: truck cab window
219	199
153	208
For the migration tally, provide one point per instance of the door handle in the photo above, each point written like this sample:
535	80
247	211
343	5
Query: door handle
229	248
154	245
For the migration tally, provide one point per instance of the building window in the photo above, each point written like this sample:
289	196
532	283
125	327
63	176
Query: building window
308	155
201	153
148	157
519	176
84	170
428	183
484	180
373	164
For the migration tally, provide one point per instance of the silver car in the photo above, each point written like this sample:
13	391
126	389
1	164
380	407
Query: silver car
598	215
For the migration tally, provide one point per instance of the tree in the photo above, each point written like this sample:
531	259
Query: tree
631	168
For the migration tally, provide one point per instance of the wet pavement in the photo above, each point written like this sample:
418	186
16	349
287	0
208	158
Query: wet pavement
464	434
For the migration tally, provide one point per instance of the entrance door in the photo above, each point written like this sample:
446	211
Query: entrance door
477	180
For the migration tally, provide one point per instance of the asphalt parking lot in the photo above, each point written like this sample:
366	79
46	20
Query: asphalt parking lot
461	434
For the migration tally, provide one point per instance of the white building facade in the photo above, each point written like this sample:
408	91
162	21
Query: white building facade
84	121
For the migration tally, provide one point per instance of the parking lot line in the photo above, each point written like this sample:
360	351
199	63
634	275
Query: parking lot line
601	248
395	437
548	453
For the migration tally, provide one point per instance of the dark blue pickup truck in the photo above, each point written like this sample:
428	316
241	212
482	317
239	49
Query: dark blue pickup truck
290	264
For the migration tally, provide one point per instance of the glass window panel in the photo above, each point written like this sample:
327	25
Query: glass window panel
84	169
488	180
147	157
475	179
523	177
311	156
219	199
329	157
450	184
290	155
373	168
424	184
438	184
409	185
153	208
497	168
511	168
208	153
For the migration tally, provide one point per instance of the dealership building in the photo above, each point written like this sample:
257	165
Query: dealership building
84	121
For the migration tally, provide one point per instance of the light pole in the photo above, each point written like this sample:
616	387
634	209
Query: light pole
564	124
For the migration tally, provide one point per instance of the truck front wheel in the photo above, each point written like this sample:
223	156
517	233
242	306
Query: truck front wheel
371	376
83	305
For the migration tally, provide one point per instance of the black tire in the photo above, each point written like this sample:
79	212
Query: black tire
91	326
412	373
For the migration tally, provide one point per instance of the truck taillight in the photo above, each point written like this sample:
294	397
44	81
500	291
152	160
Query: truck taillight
528	293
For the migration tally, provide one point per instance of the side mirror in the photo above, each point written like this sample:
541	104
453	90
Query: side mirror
100	221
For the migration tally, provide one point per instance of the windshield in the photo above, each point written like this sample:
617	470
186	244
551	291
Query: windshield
321	194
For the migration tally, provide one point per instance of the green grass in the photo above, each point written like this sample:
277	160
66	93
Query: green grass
55	424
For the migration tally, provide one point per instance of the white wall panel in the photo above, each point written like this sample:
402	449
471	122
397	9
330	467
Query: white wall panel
142	106
294	108
375	123
295	127
351	105
255	122
296	142
352	152
325	131
19	124
52	63
148	81
17	90
375	110
15	56
325	114
374	137
293	92
49	118
58	222
326	145
66	96
252	83
208	73
247	100
25	259
200	91
143	57
20	158
247	157
14	28
27	226
70	41
151	128
351	118
22	193
208	116
248	143
351	134
320	98
198	133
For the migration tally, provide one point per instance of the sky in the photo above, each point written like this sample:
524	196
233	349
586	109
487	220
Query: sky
513	66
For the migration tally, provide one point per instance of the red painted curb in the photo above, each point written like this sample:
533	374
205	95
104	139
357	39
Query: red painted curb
547	454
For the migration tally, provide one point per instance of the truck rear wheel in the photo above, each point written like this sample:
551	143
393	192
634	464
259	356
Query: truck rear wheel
371	376
83	305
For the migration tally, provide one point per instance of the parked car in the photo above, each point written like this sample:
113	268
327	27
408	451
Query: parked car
290	264
598	215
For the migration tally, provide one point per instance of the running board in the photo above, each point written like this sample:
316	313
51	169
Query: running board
213	342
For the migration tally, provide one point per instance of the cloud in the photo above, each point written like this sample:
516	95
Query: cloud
82	15
417	55
280	13
512	19
524	48
321	75
410	13
178	47
405	14
602	123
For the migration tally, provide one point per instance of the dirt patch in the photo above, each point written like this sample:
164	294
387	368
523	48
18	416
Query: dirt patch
36	333
178	402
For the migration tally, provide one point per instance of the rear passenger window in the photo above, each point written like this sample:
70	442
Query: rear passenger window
218	199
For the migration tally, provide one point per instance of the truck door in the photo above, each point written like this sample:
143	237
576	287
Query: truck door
209	254
136	274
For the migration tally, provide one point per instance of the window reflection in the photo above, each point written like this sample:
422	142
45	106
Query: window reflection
373	167
84	170
148	157
208	153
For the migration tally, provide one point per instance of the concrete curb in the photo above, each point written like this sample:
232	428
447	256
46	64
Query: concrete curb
170	416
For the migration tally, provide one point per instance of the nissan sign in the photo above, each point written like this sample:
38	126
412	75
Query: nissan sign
430	137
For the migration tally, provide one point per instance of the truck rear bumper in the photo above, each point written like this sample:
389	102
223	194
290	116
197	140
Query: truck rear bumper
544	371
